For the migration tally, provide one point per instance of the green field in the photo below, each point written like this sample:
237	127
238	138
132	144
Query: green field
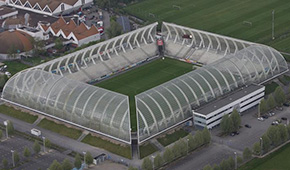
226	17
147	149
10	111
60	129
143	78
278	160
124	151
170	138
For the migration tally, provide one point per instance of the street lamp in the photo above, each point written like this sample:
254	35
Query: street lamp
236	162
43	138
12	151
6	124
85	158
261	143
153	161
187	145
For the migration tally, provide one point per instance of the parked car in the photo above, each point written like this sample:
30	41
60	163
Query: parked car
271	114
265	117
284	118
275	123
279	120
260	118
232	134
279	108
286	104
247	126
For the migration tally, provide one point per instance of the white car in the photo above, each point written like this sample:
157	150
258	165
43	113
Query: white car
260	119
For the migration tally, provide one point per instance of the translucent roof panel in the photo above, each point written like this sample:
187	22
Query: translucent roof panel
81	104
170	103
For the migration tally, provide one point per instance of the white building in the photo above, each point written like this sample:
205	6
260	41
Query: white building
51	7
35	33
7	12
210	115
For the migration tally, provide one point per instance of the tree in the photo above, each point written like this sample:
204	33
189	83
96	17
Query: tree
38	46
206	136
231	162
239	160
182	146
78	161
279	95
132	168
3	79
55	166
198	137
283	132
227	124
66	164
216	167
58	44
1	134
288	130
247	154
168	155
158	161
274	135
89	158
16	157
262	107
266	143
236	119
10	128
192	142
114	30
225	165
257	149
47	143
26	152
5	163
175	150
36	147
207	167
147	164
271	102
12	52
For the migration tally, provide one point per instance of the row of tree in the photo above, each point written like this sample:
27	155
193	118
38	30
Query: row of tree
231	123
67	165
275	99
180	148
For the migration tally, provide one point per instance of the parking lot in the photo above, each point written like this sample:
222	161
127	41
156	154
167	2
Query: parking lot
36	161
248	136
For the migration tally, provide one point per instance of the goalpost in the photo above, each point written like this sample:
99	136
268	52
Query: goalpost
176	7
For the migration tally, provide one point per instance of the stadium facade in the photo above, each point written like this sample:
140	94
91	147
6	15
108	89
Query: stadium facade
61	88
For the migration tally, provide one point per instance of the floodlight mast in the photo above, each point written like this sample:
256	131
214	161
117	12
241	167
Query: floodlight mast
273	24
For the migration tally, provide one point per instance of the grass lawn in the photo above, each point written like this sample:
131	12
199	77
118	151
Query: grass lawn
224	17
270	87
60	128
124	151
15	66
278	160
10	111
147	149
284	79
143	78
170	138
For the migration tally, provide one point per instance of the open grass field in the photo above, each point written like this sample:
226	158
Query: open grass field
15	66
170	138
147	149
60	129
10	111
247	19
278	160
124	151
143	78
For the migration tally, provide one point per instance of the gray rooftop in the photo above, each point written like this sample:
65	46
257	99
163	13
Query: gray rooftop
227	99
6	10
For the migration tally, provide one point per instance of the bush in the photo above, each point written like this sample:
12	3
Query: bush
36	147
168	155
26	152
89	158
78	161
158	161
147	164
247	154
257	149
66	164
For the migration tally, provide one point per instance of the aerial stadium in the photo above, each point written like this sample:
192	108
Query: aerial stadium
228	74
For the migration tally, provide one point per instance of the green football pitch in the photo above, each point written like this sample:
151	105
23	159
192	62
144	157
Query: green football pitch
244	19
143	78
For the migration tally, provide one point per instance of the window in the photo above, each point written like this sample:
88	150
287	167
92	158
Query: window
83	2
62	7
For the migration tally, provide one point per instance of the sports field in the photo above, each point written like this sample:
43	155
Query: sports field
143	78
245	19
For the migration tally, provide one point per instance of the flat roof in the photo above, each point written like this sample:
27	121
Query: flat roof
227	99
5	10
